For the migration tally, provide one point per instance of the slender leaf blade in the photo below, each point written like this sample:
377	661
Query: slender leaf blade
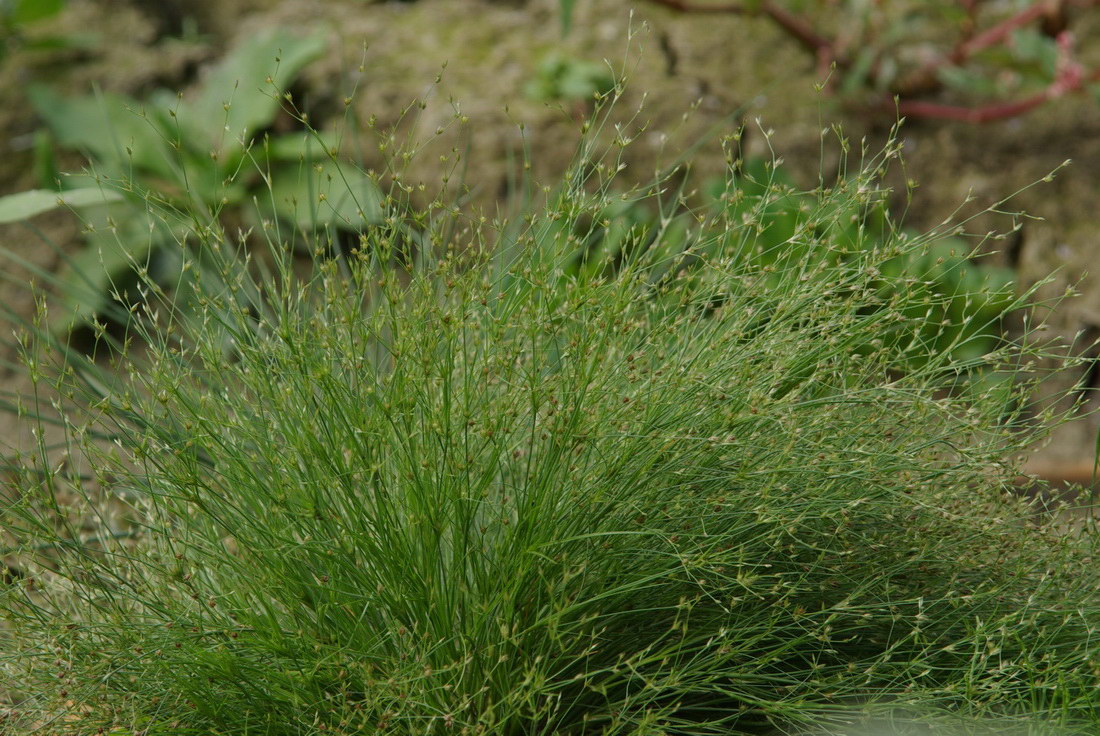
25	205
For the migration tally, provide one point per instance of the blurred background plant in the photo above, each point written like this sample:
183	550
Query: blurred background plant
17	17
998	59
215	153
563	78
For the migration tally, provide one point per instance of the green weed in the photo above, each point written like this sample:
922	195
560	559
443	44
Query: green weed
191	159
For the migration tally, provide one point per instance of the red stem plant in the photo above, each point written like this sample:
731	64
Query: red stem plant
907	93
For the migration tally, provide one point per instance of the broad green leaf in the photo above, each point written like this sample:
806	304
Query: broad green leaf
1031	46
87	279
582	80
301	146
969	81
113	129
24	205
1002	384
325	194
237	100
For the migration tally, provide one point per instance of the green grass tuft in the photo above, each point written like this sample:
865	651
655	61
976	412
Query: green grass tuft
463	477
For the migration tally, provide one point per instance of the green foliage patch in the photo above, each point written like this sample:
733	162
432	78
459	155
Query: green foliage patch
192	159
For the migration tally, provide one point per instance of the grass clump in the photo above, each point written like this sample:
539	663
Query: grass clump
461	478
